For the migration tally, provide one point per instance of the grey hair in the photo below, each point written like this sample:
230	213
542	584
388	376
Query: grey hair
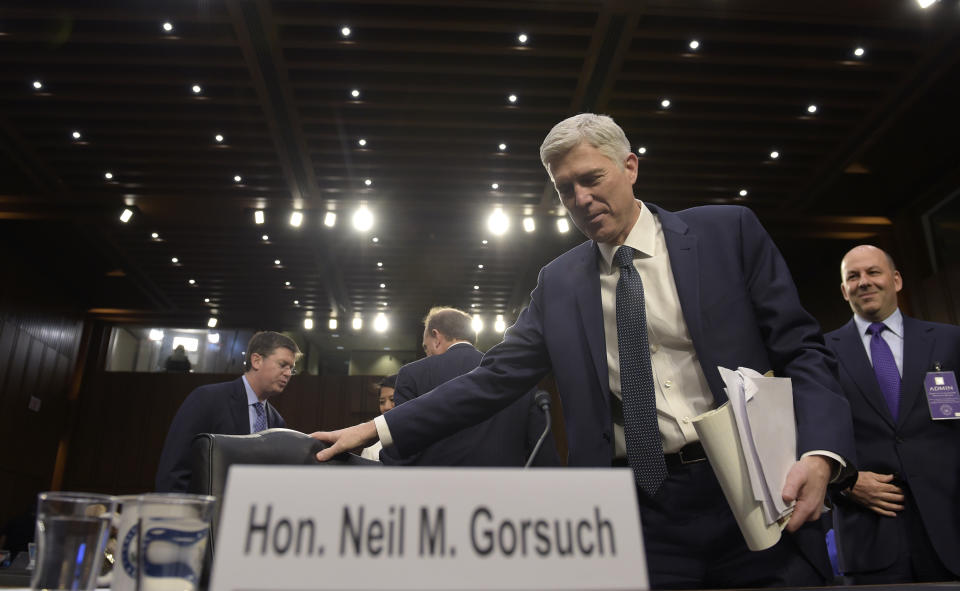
600	131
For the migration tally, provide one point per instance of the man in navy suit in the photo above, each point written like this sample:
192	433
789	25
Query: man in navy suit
715	292
505	439
900	522
238	407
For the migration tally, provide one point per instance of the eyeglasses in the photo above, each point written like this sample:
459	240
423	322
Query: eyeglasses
284	366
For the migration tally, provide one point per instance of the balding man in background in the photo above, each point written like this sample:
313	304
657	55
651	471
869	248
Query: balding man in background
900	522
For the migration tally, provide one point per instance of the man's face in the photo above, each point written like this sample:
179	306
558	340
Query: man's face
386	399
597	193
869	284
272	373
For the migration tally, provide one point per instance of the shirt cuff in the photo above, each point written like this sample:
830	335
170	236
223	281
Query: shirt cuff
837	468
383	431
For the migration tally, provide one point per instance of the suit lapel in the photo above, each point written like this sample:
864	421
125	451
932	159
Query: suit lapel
586	284
238	408
917	350
854	358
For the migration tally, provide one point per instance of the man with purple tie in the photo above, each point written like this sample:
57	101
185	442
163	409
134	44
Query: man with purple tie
899	522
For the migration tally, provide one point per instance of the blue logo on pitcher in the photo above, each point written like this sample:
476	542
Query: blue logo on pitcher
184	541
128	551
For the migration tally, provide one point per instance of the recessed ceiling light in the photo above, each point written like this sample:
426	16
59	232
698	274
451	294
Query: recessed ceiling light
642	150
665	103
926	3
218	138
296	302
498	222
206	300
37	85
213	338
522	38
196	89
258	218
379	265
477	324
76	135
237	178
694	44
503	147
484	242
155	235
276	262
743	192
286	283
383	286
512	98
345	31
362	142
126	215
296	218
367	182
529	225
355	93
168	26
332	324
499	325
175	260
774	155
212	322
476	287
265	237
858	52
374	239
495	186
363	219
192	281
480	266
108	175
330	219
380	322
811	109
563	226
308	323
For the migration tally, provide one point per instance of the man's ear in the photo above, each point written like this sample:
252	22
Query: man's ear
256	360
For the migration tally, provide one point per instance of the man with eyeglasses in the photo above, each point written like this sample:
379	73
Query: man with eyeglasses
238	407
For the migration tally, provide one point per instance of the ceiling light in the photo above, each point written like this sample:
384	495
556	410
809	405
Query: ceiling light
476	288
212	322
345	31
480	266
258	217
642	150
196	89
363	219
218	138
332	324
108	175
473	305
926	3
858	52
694	44
175	261
812	109
276	262
383	285
522	38
355	93
380	322
379	265
665	103
330	219
296	218
286	283
308	323
155	236
76	135
743	192
126	215
192	281
495	186
498	222
563	226
206	300
529	225
296	302
168	26
499	325
357	322
37	85
375	239
156	335
367	182
237	178
512	98
362	142
484	242
213	338
503	147
774	155
265	237
477	323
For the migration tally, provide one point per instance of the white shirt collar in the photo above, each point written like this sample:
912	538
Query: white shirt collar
251	395
893	322
642	238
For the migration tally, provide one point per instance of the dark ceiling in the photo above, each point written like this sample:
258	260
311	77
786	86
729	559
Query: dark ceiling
275	79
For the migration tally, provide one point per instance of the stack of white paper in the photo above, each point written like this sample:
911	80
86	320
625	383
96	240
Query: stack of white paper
751	444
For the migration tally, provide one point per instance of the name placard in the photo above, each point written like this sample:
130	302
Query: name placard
298	528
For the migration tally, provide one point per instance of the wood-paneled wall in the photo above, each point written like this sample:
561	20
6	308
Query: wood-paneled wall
123	418
38	354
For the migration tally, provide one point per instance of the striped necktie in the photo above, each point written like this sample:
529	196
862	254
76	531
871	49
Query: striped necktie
260	424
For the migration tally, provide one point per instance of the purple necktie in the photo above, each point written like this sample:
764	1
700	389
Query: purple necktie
885	367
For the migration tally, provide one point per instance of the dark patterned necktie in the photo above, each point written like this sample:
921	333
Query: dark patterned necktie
260	424
885	366
642	434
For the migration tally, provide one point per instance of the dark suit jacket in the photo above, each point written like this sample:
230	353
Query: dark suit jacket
214	408
741	308
923	453
505	439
